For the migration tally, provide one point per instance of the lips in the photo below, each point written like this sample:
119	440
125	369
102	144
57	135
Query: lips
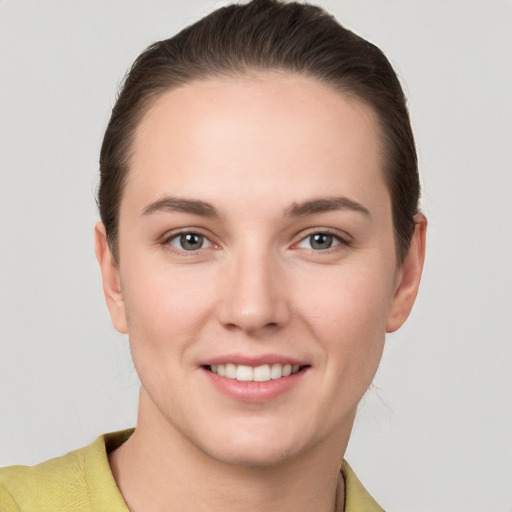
255	378
261	373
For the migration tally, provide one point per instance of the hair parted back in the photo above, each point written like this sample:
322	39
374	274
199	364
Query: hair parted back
273	36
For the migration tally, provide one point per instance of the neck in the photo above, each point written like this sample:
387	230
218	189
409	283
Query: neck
158	469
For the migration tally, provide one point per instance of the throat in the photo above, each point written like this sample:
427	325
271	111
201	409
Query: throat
148	486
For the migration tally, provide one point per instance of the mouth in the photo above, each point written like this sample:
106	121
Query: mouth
256	379
262	373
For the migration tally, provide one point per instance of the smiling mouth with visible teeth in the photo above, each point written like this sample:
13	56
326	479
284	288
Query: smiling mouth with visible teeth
262	373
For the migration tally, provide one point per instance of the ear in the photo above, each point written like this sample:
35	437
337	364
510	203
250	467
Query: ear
111	281
409	277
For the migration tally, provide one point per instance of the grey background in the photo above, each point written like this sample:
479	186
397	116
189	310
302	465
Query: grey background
434	433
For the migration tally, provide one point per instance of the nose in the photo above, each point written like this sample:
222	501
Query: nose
253	294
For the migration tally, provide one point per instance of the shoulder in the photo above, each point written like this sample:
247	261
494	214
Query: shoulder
56	480
7	503
71	482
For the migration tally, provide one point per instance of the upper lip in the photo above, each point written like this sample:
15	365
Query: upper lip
253	360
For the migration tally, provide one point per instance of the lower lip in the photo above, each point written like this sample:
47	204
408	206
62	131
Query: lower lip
254	391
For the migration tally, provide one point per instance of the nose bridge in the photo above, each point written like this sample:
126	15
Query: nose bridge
253	296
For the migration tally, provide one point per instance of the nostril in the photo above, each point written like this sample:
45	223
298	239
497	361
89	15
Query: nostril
231	327
251	326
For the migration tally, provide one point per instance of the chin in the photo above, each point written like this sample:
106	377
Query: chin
255	446
254	455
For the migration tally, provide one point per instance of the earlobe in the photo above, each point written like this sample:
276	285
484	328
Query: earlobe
409	277
111	281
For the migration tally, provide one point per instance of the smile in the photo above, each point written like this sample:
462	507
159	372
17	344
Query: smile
261	373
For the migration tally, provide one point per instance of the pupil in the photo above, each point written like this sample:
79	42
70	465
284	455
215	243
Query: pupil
321	241
191	241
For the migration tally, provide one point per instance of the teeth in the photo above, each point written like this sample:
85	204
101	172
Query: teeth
261	373
244	373
230	370
276	372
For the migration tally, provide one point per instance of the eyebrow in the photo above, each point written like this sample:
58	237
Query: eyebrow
205	209
174	204
325	204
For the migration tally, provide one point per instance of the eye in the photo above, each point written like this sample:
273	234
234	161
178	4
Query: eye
319	241
189	241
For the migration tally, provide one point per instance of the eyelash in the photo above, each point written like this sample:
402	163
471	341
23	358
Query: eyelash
178	237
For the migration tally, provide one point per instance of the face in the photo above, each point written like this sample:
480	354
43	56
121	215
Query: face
257	273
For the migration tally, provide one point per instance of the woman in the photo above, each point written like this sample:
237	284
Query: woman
259	235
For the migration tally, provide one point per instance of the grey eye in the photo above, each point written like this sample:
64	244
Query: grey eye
189	241
319	242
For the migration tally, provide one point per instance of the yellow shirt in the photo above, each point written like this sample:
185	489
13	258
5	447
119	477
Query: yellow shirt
81	481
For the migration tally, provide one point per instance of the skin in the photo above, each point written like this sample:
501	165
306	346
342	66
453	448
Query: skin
254	148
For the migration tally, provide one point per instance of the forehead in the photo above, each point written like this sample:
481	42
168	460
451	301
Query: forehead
255	133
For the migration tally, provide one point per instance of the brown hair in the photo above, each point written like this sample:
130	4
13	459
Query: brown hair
267	35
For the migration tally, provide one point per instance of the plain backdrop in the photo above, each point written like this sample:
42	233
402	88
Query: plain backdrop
434	432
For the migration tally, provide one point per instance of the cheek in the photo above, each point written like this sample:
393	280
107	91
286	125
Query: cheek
165	310
347	310
356	299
